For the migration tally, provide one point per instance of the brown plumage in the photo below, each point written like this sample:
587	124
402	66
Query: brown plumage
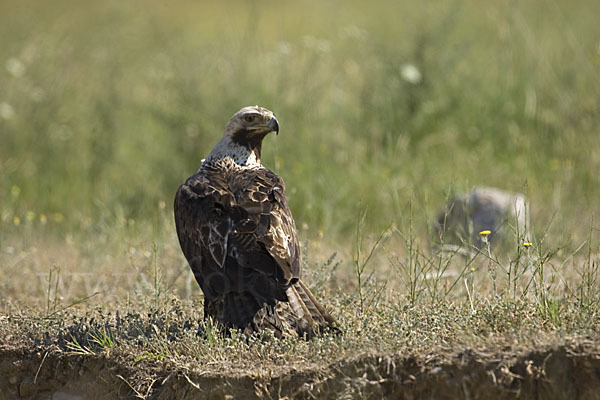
238	235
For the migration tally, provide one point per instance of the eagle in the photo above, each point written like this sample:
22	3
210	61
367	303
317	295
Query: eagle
238	235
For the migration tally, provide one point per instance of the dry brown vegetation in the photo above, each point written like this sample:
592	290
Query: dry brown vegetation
419	325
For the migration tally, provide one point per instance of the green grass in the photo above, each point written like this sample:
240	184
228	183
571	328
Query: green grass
114	105
106	108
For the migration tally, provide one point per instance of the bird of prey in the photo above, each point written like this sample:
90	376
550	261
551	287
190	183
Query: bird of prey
239	237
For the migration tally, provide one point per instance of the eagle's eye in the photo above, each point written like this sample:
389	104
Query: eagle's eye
250	118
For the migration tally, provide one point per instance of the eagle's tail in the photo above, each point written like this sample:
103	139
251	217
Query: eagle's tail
301	315
309	315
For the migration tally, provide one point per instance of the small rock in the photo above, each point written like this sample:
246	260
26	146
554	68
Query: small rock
484	208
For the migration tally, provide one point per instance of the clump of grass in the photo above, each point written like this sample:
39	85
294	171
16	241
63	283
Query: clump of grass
97	340
361	261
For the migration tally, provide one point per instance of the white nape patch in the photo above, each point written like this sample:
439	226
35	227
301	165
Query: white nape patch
226	150
252	160
201	164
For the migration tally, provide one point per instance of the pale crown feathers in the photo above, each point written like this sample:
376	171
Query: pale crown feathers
242	138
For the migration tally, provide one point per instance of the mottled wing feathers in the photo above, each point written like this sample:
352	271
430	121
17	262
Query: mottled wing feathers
276	230
237	232
201	219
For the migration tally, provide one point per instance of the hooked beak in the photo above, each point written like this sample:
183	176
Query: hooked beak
273	125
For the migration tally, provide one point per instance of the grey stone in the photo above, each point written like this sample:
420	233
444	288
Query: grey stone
484	208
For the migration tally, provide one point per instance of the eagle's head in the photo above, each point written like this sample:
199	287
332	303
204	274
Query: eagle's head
249	126
243	136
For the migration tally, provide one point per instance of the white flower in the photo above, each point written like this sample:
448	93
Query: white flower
15	67
411	74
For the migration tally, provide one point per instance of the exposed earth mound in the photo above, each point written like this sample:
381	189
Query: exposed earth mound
566	370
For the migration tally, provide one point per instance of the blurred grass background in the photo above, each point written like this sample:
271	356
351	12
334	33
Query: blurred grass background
106	107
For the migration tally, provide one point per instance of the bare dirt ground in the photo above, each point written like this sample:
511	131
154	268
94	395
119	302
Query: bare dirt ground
561	369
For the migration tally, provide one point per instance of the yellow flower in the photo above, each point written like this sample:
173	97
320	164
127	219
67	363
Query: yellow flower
30	216
16	220
58	217
527	244
485	233
43	219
